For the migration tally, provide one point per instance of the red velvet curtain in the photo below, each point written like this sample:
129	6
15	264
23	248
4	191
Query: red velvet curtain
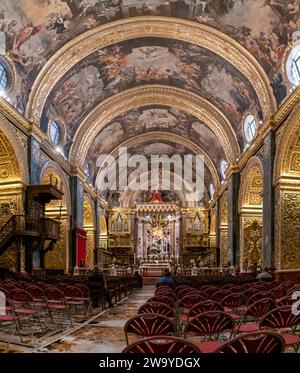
81	237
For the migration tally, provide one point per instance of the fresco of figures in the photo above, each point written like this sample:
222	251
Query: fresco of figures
155	118
31	31
146	61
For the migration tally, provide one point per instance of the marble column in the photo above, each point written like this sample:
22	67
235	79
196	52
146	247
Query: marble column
77	213
34	164
268	200
233	219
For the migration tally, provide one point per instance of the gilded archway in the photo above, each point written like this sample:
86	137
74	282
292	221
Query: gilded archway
58	256
11	198
251	215
89	227
287	194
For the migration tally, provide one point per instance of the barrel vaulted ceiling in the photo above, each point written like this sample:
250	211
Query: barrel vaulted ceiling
70	58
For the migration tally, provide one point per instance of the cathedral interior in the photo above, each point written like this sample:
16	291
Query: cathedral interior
83	80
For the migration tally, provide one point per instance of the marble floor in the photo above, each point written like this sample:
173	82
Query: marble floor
102	333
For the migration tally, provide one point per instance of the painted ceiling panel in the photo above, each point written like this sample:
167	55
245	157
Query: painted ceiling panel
155	118
151	60
31	31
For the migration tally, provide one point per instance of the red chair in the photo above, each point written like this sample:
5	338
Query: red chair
235	302
162	345
74	298
24	307
159	308
162	299
201	307
86	295
283	318
258	296
57	302
262	342
209	324
253	314
148	325
188	301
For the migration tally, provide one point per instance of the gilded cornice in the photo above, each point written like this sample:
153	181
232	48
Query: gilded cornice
14	116
49	150
286	108
147	95
138	27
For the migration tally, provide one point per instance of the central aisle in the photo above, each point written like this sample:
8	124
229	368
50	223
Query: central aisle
104	334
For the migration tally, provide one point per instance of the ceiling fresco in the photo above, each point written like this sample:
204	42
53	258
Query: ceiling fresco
145	61
155	118
31	31
148	148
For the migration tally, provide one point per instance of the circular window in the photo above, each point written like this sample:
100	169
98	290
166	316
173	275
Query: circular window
212	190
224	166
293	65
250	127
55	133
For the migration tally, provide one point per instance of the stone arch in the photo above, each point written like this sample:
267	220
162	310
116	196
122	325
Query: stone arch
251	215
147	95
13	176
16	149
89	226
162	136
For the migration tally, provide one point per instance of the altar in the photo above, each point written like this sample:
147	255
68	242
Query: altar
158	231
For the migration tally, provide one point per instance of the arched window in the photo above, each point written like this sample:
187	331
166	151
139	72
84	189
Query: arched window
224	166
3	77
211	191
55	133
293	65
250	127
87	170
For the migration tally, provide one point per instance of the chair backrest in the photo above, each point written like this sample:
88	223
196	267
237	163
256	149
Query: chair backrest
280	317
162	345
181	293
261	307
155	307
85	290
54	294
19	295
219	295
259	295
35	291
233	300
148	325
209	323
262	342
162	299
189	301
73	292
203	307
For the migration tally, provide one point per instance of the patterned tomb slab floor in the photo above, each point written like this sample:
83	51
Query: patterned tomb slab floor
104	334
100	334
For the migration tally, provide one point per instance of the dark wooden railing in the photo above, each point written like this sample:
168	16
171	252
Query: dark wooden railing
26	225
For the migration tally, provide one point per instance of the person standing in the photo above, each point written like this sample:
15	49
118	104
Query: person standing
98	287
